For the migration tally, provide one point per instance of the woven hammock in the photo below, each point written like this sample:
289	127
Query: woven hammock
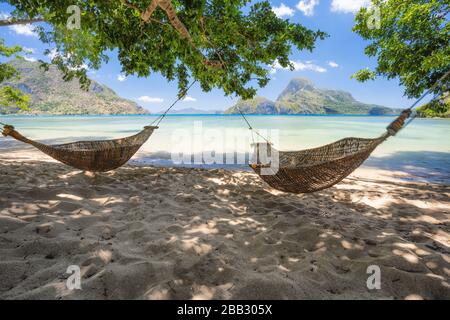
96	156
99	155
316	169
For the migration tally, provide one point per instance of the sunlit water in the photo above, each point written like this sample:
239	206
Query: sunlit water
422	147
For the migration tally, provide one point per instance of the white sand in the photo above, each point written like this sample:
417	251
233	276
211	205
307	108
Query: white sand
165	233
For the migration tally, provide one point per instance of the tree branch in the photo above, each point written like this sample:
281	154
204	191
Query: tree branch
14	21
168	8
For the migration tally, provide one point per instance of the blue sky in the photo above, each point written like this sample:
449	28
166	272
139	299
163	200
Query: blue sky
330	65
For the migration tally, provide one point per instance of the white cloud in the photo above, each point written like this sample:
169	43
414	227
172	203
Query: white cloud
333	64
349	6
189	99
121	77
23	29
29	50
307	6
30	59
299	66
283	11
148	99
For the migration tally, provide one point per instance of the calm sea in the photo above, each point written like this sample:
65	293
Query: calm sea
424	146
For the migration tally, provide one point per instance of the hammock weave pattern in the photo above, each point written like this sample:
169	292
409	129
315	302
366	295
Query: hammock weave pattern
298	171
96	156
316	169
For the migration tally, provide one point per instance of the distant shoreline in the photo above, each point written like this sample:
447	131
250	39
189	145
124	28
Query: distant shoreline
198	114
213	115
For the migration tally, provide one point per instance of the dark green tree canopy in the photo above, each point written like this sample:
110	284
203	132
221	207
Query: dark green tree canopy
412	43
220	43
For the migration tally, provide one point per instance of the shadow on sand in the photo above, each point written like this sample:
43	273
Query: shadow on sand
177	233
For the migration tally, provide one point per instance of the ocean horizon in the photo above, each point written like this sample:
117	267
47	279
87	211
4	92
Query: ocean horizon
419	149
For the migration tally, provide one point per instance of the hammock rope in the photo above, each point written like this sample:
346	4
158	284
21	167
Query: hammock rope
312	170
297	171
97	155
252	129
158	120
393	124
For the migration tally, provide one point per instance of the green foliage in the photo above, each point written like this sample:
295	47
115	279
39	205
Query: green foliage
436	108
231	43
364	75
412	43
10	96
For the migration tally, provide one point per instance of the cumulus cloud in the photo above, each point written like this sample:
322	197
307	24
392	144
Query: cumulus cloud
23	29
147	99
121	77
307	6
349	6
189	99
283	11
299	66
333	64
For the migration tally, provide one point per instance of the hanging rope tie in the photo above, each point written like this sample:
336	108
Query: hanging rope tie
414	113
158	120
225	66
251	128
400	122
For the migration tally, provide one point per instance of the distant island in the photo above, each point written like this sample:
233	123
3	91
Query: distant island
50	94
301	96
192	111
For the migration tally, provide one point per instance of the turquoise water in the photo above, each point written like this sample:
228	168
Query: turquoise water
424	142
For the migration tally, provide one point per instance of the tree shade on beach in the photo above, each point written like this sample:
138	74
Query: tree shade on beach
225	44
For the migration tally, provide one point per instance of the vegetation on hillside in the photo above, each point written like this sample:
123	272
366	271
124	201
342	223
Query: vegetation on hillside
436	108
49	93
301	96
411	43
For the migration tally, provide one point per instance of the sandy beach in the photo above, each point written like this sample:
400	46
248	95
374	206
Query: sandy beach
177	233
